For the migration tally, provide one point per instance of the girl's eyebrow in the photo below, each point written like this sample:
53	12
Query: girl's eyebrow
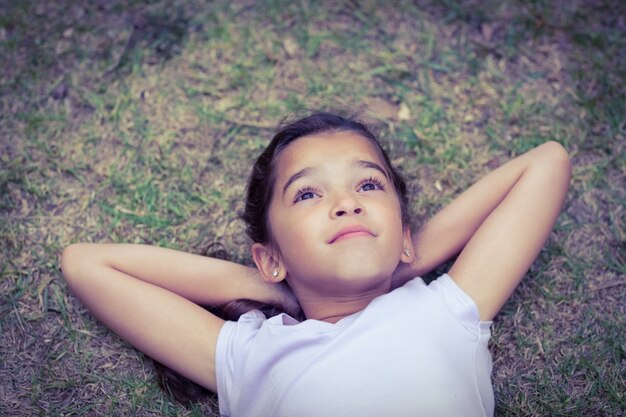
302	173
369	164
358	163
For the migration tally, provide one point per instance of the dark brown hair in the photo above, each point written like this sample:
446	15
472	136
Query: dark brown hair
256	216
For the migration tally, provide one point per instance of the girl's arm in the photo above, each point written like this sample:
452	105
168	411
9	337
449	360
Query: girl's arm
147	295
498	225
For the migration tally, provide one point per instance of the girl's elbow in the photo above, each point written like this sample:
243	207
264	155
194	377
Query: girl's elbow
558	160
70	261
559	155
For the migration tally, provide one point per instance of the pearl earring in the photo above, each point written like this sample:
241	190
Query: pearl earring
275	273
407	253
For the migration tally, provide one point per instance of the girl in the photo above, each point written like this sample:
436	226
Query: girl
328	216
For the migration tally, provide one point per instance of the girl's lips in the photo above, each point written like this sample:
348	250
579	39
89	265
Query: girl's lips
350	232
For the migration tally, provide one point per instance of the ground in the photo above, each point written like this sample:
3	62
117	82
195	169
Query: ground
137	122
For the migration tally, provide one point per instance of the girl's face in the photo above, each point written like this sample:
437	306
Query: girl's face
335	217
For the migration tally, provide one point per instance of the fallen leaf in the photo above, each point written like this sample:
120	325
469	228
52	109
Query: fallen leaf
404	113
291	46
382	108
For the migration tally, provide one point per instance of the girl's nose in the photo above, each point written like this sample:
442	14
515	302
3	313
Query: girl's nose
347	206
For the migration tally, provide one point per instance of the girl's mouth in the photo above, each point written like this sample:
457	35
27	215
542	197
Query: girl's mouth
351	232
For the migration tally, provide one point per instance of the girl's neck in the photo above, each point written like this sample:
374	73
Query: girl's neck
333	309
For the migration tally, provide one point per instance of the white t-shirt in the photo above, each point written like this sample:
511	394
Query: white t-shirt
418	351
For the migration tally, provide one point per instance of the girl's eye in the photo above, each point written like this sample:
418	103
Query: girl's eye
371	184
304	194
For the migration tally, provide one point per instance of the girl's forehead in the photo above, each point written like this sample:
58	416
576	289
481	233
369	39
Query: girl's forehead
318	149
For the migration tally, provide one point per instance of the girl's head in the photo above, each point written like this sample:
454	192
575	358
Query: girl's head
322	176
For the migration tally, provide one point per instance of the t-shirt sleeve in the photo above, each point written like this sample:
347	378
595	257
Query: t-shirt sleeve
232	343
461	305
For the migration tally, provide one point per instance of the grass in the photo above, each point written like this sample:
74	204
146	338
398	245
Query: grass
137	122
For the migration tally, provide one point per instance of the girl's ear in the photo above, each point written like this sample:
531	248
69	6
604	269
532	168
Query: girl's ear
408	251
269	263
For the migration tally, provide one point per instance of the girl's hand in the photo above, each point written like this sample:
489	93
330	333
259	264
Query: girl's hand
286	298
